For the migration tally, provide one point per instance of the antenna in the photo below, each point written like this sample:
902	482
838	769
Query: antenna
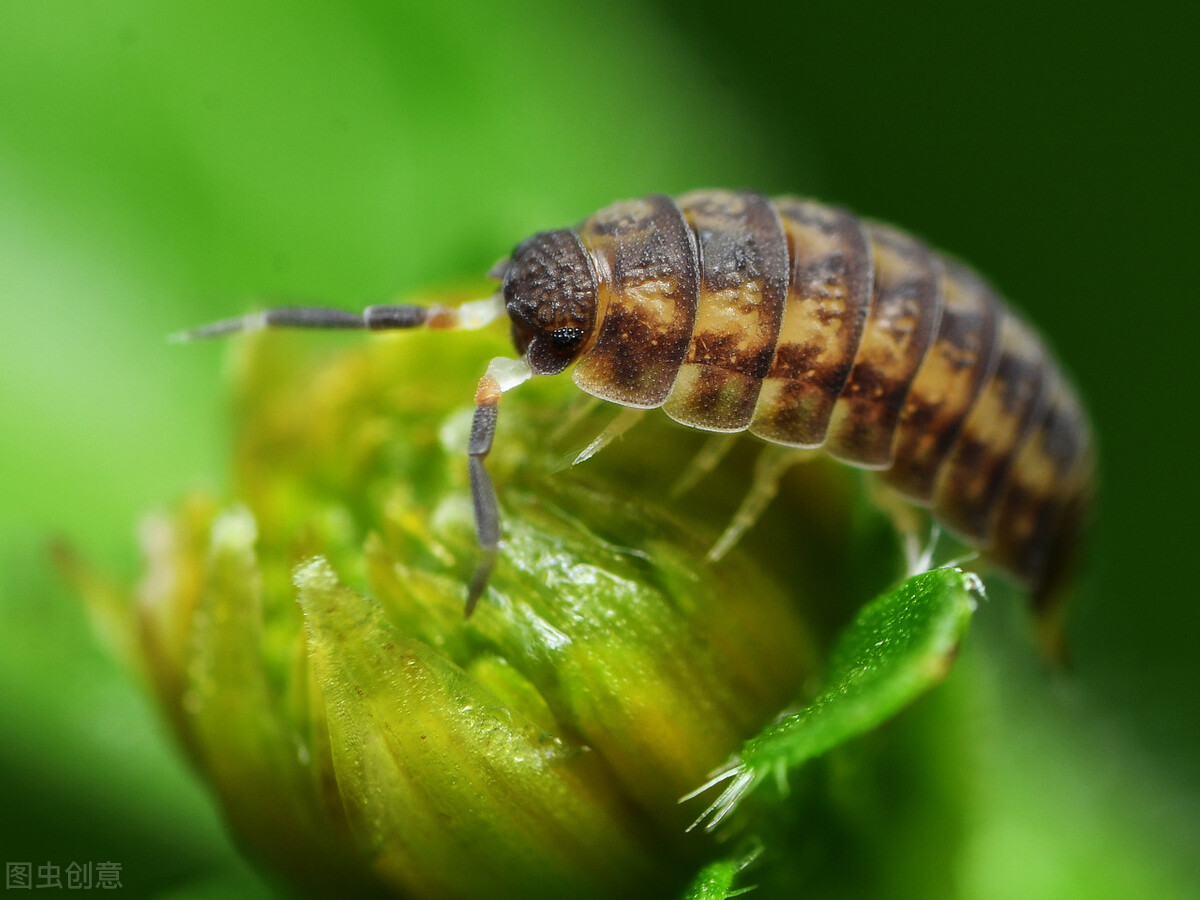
388	317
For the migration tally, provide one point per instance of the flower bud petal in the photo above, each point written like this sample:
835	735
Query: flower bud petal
435	768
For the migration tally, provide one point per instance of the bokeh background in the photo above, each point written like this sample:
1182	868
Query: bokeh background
164	164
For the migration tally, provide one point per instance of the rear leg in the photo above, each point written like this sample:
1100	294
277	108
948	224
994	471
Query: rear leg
924	543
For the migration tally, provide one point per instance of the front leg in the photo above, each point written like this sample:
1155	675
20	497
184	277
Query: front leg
502	375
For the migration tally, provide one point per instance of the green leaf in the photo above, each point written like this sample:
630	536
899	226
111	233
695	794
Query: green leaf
899	646
715	881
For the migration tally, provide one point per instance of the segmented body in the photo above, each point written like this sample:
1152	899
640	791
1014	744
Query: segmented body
809	327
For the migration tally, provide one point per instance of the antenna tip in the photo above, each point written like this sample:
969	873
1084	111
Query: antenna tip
222	328
483	571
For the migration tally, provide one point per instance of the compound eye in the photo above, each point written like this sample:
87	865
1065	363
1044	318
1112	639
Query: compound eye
566	338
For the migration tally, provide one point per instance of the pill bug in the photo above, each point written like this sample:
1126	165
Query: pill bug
802	324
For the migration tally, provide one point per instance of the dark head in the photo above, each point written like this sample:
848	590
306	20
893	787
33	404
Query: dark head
550	293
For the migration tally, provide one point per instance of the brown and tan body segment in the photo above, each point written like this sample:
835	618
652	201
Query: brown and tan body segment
973	477
743	287
1048	491
827	305
963	356
645	260
905	311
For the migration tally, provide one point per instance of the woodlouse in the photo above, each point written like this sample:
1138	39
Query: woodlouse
802	324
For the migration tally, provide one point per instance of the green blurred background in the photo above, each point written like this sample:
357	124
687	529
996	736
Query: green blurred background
163	164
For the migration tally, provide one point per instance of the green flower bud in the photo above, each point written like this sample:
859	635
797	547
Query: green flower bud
306	636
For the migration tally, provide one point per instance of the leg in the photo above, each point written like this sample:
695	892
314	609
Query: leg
502	375
921	537
469	316
709	457
914	526
624	420
920	559
772	462
581	407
